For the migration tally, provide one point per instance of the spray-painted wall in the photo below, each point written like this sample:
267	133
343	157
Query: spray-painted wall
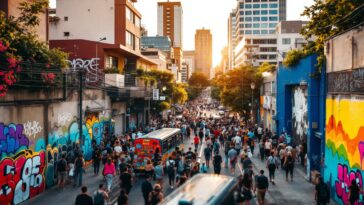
27	162
299	113
344	145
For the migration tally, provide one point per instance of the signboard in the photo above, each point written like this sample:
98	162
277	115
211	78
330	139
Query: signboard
162	98
155	94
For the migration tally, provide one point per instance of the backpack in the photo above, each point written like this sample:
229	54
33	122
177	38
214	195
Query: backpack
99	198
61	165
272	160
324	192
170	167
78	164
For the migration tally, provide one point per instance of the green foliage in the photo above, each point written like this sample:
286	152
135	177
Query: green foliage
164	106
112	70
328	18
233	88
266	67
293	57
180	95
196	84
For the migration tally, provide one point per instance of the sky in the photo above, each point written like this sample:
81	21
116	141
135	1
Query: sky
210	14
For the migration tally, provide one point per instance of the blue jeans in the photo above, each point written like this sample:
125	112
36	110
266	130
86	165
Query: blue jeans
109	179
78	177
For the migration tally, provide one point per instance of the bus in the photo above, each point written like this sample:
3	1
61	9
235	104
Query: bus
204	189
165	140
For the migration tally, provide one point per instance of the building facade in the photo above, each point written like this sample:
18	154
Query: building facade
344	144
158	56
162	43
185	72
203	51
268	101
231	39
189	58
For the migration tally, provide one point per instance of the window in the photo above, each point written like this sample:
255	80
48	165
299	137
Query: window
241	5
241	12
256	6
137	21
256	25
286	41
271	57
272	25
264	32
241	19
130	40
248	12
248	32
111	62
256	32
273	6
264	6
264	18
264	25
241	25
273	12
65	18
129	15
268	49
241	32
248	6
256	18
248	18
248	25
264	12
256	12
273	18
272	31
66	34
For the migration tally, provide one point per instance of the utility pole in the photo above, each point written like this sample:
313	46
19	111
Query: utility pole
80	98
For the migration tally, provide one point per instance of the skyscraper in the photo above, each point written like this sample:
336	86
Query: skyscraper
170	21
203	51
255	39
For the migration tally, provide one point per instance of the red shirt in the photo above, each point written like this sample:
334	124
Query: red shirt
196	140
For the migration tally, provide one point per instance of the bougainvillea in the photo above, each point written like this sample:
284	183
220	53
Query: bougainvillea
9	67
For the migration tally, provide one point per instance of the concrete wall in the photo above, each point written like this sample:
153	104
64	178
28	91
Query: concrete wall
290	108
87	20
33	136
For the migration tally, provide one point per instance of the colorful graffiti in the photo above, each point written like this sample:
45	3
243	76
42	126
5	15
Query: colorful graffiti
21	177
12	139
299	114
344	150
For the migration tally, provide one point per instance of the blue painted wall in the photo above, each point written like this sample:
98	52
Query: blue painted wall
289	77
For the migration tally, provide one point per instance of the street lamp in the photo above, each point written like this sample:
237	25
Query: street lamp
252	86
97	43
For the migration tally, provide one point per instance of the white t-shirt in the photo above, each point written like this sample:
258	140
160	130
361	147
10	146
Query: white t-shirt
118	149
268	145
237	140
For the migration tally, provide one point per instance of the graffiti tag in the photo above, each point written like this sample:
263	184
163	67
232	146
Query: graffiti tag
64	118
22	178
12	138
32	128
344	178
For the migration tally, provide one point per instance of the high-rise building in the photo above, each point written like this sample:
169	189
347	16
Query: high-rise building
170	21
256	21
189	58
203	51
231	39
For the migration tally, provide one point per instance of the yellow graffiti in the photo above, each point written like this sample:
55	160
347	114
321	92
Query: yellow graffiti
344	126
90	121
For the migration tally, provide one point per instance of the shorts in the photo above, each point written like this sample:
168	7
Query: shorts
261	194
232	163
62	176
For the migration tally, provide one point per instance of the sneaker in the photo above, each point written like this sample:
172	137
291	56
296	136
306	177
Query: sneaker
172	187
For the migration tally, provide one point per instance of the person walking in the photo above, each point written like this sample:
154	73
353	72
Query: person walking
156	196
126	180
354	192
100	196
159	174
261	185
123	198
109	173
196	142
233	156
78	170
84	198
272	165
245	189
96	159
217	163
289	165
171	171
207	154
322	192
147	187
62	171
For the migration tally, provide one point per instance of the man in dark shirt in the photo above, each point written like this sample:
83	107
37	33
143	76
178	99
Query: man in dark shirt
262	185
147	187
125	180
322	194
84	198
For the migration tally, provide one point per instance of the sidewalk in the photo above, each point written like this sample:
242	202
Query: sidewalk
67	195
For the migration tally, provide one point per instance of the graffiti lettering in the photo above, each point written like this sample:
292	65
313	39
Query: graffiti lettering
91	66
12	138
32	128
64	118
344	178
22	178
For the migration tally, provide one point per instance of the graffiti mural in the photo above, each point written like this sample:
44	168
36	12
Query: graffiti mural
22	176
299	114
12	139
31	129
344	150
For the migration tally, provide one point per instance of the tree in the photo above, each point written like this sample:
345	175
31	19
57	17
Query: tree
197	82
235	90
328	18
19	46
180	95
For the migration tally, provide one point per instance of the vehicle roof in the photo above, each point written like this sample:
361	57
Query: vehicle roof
161	134
201	189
